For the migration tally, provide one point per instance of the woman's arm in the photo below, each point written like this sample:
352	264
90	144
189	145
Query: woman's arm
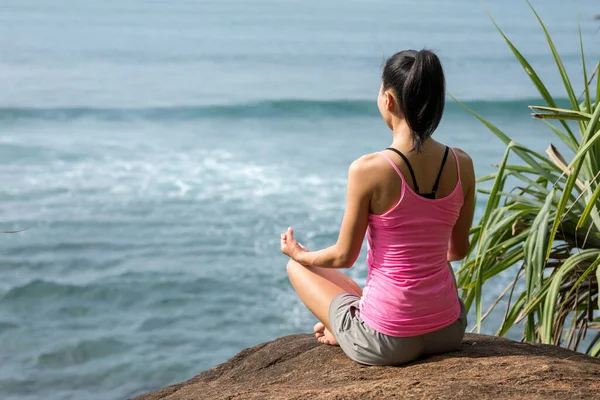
459	241
344	253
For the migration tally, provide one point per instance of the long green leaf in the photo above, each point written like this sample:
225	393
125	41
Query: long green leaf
512	316
491	205
561	117
510	261
559	64
519	150
497	267
514	197
590	137
535	247
591	269
547	321
534	303
595	351
531	182
521	168
598	280
573	144
531	73
595	342
514	170
540	217
563	111
575	166
485	179
506	221
588	102
588	209
598	84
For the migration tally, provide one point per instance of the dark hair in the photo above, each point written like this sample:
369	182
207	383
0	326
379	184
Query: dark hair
417	79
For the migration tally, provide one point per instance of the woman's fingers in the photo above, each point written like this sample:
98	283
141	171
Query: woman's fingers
290	234
288	241
284	244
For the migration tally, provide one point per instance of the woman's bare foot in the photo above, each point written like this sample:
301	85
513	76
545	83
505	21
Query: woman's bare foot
323	335
319	328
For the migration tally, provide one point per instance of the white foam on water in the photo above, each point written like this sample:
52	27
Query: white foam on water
197	174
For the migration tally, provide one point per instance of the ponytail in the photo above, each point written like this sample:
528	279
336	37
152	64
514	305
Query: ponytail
417	78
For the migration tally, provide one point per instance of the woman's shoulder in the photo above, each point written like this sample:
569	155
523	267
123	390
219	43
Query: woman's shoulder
464	159
369	163
467	170
369	169
462	155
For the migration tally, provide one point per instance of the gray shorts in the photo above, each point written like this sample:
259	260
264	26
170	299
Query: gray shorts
365	345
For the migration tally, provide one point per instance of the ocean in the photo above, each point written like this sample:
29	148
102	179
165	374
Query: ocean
153	151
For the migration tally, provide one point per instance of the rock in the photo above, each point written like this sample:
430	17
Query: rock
297	367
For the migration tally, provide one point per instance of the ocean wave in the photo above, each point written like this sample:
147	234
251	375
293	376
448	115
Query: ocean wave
81	352
70	247
125	290
285	108
158	323
7	326
39	288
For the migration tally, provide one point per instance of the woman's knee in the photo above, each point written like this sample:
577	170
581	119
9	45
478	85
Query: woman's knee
293	267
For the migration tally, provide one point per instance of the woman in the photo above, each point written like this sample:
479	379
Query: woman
415	202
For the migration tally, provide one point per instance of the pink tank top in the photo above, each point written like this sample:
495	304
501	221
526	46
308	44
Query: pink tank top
410	290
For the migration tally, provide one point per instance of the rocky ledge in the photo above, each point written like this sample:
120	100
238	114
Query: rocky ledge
485	367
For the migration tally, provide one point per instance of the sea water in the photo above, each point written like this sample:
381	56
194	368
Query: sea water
154	151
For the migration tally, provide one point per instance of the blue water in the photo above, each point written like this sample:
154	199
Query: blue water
154	151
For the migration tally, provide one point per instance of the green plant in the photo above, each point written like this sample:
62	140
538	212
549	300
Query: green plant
547	227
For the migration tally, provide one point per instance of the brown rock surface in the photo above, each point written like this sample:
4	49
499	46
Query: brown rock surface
485	367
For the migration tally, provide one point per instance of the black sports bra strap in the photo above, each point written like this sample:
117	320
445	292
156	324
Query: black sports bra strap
412	173
437	181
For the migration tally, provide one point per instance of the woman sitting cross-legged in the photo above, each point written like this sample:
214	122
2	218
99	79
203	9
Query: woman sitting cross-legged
415	202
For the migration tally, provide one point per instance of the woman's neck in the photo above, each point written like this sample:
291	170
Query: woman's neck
402	138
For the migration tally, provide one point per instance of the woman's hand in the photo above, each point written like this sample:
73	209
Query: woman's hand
289	246
344	253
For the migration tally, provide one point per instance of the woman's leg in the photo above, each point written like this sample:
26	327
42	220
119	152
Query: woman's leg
317	287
